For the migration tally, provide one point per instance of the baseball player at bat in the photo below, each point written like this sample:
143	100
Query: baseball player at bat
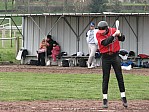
108	41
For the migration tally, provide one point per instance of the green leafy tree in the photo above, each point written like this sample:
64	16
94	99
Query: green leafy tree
98	6
5	2
117	6
65	6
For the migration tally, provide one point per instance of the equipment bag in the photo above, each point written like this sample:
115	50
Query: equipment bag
33	62
82	62
65	63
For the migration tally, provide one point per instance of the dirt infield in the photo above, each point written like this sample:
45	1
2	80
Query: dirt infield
70	105
71	70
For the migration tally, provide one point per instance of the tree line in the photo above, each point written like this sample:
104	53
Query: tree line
70	6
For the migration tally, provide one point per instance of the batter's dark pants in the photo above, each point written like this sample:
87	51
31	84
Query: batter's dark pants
115	61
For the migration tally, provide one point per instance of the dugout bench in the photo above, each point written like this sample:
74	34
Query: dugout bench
74	60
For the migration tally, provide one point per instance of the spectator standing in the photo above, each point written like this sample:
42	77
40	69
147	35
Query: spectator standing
92	45
108	41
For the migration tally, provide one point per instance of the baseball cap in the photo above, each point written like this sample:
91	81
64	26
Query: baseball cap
92	24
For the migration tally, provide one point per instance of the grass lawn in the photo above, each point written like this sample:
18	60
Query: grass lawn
8	50
37	86
7	55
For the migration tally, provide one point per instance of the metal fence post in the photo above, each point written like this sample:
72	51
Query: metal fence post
3	36
17	45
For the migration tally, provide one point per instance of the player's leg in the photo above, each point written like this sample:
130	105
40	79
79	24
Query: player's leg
92	49
106	66
118	71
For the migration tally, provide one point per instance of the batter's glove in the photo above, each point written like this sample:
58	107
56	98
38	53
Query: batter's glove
121	38
117	33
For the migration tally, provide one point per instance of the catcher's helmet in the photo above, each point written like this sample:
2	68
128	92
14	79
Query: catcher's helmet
102	26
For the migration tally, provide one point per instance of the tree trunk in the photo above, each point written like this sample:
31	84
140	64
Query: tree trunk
5	2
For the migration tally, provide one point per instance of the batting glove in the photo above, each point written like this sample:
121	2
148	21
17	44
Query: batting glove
117	33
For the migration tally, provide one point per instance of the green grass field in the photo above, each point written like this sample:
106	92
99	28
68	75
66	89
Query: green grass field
38	86
8	53
7	47
8	50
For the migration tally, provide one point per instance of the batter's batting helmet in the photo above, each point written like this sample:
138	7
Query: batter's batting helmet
102	26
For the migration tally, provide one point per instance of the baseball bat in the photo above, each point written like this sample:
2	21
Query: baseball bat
117	24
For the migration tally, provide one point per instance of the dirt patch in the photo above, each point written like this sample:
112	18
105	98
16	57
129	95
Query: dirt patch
73	106
70	105
71	70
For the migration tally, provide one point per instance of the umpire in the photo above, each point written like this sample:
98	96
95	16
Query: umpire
108	41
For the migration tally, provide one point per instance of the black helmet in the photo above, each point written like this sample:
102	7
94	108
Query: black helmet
102	25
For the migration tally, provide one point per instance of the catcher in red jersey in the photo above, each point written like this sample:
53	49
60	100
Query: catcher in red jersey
109	46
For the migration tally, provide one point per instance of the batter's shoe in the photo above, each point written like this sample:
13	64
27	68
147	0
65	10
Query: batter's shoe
124	100
88	65
92	66
105	103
